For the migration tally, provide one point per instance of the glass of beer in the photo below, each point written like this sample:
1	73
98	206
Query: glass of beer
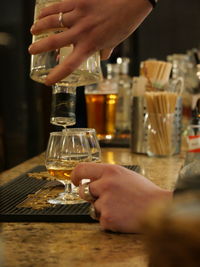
41	64
101	109
64	151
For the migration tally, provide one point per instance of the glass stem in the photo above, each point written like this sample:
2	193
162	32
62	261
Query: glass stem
68	187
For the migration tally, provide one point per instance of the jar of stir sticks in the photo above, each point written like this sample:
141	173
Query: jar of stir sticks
164	123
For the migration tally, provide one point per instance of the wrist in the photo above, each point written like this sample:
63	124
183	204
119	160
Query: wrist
159	196
165	195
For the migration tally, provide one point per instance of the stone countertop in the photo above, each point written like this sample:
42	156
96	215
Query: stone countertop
82	244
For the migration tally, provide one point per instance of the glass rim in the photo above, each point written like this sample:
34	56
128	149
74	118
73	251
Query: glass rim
79	130
61	133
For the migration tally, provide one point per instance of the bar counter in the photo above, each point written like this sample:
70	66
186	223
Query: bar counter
83	244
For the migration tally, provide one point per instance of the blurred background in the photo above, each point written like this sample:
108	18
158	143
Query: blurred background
173	27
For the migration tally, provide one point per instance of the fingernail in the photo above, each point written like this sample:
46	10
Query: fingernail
30	47
32	28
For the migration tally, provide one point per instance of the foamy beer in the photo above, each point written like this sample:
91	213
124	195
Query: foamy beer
101	109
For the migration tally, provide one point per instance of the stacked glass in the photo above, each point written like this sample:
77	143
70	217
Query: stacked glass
69	147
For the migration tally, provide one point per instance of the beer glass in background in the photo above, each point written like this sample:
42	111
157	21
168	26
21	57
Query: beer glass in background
101	101
101	110
88	72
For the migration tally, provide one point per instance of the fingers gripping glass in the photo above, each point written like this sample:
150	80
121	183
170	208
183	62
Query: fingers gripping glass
64	151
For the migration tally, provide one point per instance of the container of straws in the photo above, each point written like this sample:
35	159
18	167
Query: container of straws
156	111
164	125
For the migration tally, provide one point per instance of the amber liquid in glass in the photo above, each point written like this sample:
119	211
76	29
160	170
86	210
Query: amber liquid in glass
101	110
62	174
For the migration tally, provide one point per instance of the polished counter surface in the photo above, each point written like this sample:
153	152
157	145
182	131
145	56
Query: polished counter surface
82	244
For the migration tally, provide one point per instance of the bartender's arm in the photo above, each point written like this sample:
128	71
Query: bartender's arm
92	25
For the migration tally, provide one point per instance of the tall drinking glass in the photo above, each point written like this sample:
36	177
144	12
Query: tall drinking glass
64	151
101	101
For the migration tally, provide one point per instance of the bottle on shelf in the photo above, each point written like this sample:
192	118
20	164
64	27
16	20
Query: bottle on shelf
123	108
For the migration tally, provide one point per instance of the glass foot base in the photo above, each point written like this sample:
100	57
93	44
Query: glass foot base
66	199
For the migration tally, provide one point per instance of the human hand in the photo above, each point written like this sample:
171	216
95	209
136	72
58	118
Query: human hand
92	25
122	196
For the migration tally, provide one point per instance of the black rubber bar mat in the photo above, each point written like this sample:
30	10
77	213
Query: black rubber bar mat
15	192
